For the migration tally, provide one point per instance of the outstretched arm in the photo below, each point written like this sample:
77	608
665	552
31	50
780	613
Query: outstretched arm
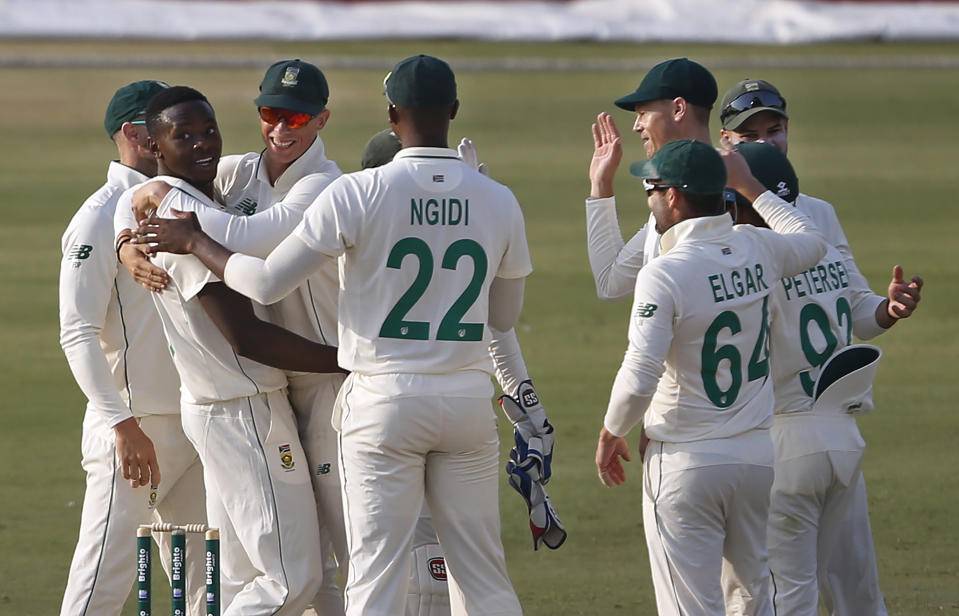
260	341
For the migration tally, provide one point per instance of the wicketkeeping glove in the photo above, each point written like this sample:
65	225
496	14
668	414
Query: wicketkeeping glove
467	153
544	522
532	432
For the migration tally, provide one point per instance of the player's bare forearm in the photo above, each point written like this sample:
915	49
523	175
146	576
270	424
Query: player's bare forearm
260	341
274	346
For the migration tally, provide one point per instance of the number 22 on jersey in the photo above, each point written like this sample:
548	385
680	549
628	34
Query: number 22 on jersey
450	327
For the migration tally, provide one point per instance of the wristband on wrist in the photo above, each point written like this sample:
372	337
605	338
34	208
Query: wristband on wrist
125	236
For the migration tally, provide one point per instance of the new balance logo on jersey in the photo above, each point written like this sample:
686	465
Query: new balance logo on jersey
323	469
78	253
437	567
644	311
247	206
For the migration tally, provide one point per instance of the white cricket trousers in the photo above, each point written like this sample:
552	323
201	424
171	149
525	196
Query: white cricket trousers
810	498
706	535
312	397
408	437
851	584
103	568
259	496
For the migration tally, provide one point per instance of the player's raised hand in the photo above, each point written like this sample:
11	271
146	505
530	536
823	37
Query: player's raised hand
467	153
135	453
609	450
607	154
144	272
903	296
174	235
738	175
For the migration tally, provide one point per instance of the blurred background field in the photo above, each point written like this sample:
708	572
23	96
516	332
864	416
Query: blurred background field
873	130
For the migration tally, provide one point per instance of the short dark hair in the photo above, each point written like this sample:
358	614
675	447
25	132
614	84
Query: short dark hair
165	99
705	205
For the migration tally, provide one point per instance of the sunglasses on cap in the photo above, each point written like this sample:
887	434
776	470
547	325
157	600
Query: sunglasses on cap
750	100
293	119
651	188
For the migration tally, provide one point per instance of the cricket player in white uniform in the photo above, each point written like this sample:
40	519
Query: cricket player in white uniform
263	196
235	408
817	443
132	438
428	592
696	376
754	110
671	102
433	256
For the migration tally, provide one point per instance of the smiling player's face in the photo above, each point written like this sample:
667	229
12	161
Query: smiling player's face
189	143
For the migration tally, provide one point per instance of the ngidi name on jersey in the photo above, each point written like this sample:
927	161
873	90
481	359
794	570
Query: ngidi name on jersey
445	211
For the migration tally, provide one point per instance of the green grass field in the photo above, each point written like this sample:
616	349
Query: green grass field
878	142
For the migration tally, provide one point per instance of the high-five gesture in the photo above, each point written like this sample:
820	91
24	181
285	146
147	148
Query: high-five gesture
607	154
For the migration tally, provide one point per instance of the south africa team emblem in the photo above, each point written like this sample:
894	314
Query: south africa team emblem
290	76
286	457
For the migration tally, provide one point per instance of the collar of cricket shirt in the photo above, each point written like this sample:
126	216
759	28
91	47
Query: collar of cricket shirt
423	152
699	228
310	162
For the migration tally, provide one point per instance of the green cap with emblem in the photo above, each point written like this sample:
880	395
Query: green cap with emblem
746	99
295	85
689	165
421	81
679	77
380	149
129	102
771	168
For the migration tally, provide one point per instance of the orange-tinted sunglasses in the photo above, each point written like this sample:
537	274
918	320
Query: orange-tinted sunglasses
293	119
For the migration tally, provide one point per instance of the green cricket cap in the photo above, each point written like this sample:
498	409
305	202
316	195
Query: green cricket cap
129	102
771	168
295	85
679	77
746	99
421	81
689	165
380	149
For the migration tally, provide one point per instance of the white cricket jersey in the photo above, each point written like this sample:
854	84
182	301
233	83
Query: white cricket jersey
109	329
269	213
209	369
697	364
816	314
422	239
